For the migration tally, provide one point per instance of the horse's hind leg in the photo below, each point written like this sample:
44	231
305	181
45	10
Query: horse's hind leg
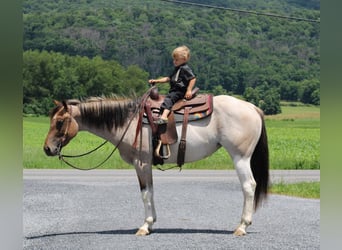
248	184
146	186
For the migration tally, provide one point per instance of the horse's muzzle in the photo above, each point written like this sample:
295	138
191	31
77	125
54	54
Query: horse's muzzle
49	152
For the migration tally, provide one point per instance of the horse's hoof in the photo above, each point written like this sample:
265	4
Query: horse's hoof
142	232
239	232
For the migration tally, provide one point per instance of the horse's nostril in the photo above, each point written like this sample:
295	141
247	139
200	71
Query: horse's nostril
47	150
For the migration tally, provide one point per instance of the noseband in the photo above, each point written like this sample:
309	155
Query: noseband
65	134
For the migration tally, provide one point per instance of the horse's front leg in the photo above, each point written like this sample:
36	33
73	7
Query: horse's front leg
144	173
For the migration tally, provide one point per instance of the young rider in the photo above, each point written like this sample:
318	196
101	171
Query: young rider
182	80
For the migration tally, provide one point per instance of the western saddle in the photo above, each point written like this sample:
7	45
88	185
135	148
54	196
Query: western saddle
198	107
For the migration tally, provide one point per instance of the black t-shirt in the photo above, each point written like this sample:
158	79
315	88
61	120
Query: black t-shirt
184	76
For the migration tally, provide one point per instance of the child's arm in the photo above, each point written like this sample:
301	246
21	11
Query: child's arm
160	80
188	93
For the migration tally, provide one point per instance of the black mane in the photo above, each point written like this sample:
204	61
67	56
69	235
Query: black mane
110	112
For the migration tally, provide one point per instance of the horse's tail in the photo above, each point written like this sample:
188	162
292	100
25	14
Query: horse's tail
260	165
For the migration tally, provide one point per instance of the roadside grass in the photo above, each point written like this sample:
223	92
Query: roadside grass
301	189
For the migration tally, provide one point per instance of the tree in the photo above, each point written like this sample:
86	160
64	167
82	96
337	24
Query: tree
219	90
310	92
315	97
289	91
266	99
51	75
270	103
252	95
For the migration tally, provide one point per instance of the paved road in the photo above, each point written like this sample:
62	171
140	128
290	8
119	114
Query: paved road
102	209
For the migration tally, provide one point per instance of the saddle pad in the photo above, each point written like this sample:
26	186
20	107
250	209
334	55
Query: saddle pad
193	117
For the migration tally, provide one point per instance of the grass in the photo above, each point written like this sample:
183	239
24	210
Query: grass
294	138
35	130
302	189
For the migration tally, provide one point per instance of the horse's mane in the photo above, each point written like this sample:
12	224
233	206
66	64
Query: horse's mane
110	112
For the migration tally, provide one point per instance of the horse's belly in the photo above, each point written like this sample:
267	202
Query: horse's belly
199	144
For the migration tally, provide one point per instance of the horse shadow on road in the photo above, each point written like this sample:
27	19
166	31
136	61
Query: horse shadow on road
133	231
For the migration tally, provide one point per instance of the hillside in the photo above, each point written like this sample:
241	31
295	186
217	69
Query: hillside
230	51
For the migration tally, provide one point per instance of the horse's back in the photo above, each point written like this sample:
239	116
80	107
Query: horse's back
229	106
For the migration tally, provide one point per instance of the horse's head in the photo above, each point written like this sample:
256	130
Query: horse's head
63	127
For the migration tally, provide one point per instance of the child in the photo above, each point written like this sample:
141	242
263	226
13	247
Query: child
182	80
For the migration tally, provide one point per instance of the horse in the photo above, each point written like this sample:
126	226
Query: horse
234	124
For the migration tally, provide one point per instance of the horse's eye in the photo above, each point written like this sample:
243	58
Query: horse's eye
59	124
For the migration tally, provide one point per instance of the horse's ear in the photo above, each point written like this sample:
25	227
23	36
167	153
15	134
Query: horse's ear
65	105
57	103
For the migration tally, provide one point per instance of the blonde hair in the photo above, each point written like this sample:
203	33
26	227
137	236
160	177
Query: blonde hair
181	52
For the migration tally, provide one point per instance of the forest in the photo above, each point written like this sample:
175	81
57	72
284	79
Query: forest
80	48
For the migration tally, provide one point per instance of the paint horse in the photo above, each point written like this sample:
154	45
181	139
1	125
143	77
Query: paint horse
234	124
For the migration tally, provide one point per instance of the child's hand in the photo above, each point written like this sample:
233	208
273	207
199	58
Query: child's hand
188	95
152	81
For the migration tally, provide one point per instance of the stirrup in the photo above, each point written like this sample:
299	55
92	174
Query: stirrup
157	151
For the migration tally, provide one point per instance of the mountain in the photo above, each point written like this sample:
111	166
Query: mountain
229	49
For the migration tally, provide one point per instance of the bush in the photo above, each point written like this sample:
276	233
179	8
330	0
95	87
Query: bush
266	99
271	102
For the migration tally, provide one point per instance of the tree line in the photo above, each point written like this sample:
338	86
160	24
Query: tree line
49	76
231	53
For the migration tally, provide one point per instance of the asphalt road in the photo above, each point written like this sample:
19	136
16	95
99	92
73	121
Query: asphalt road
102	209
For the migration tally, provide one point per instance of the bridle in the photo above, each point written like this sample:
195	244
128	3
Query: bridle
61	156
64	137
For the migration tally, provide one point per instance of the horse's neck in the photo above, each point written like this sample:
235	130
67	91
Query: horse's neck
75	111
76	114
114	135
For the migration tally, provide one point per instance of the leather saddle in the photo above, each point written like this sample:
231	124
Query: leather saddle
201	106
183	111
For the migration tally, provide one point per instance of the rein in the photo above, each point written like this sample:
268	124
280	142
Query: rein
61	156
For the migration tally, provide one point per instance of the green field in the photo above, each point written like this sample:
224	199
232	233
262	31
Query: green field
294	143
302	189
294	138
